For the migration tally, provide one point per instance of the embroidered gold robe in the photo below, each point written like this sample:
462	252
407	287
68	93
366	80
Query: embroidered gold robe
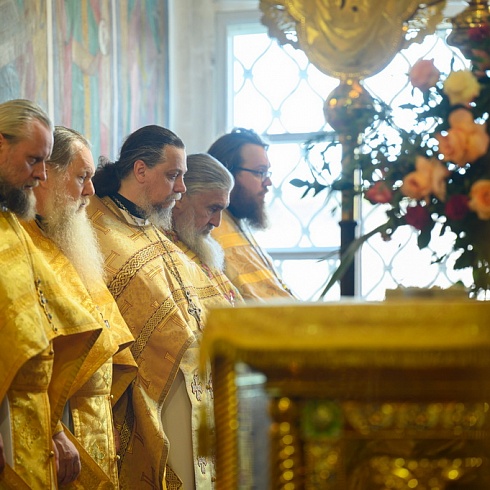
142	266
46	338
218	278
91	400
247	266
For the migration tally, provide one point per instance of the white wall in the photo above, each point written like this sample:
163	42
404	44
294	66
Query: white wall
197	103
197	76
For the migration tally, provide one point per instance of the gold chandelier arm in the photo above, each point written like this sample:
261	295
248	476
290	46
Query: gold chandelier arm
348	39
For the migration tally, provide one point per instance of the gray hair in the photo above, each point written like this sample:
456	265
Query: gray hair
16	115
205	173
66	145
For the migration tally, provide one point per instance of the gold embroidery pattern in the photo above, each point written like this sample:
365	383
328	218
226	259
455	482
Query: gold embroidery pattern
97	453
208	292
172	480
125	432
133	265
162	314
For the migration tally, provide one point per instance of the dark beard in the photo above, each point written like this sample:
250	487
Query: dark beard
249	209
17	201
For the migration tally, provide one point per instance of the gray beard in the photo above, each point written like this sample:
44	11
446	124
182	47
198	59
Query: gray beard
70	229
18	201
205	247
161	217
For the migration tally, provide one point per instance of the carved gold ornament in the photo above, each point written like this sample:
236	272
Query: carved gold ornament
348	38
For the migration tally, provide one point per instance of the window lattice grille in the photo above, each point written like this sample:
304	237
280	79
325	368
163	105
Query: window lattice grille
279	94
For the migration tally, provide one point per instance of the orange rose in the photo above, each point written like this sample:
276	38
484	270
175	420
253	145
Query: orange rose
452	146
424	75
429	177
440	173
480	198
461	119
465	141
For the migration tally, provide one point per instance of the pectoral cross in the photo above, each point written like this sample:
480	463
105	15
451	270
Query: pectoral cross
193	309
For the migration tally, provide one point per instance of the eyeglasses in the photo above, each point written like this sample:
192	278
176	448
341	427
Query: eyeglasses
262	174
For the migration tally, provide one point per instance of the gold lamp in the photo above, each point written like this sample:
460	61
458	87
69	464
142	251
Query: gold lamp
349	40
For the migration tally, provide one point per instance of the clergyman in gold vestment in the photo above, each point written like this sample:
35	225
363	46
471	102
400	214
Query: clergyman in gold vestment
247	265
199	211
45	334
66	238
163	297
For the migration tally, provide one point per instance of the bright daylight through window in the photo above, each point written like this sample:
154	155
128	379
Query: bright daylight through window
279	94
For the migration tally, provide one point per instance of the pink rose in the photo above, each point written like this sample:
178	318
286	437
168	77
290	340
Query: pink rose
457	207
379	193
418	216
424	75
480	198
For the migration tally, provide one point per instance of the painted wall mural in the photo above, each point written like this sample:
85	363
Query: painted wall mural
108	72
142	67
23	50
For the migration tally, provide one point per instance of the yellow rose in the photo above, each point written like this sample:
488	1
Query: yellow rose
461	87
480	198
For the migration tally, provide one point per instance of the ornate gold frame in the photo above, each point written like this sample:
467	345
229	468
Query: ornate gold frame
361	395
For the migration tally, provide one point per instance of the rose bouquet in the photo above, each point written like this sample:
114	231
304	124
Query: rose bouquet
439	172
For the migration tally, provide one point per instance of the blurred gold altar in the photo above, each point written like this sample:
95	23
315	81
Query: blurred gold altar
351	395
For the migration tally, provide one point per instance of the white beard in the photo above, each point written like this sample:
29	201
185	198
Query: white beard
69	227
204	246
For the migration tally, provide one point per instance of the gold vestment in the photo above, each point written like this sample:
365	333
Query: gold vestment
218	278
143	268
247	266
90	401
46	338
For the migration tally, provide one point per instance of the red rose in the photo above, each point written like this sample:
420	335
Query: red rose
379	193
479	34
457	207
417	216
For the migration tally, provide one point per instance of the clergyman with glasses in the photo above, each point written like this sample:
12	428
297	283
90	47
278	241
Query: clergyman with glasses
247	265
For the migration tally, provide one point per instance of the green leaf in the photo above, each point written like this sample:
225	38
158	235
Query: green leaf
300	183
424	237
342	185
463	261
349	255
